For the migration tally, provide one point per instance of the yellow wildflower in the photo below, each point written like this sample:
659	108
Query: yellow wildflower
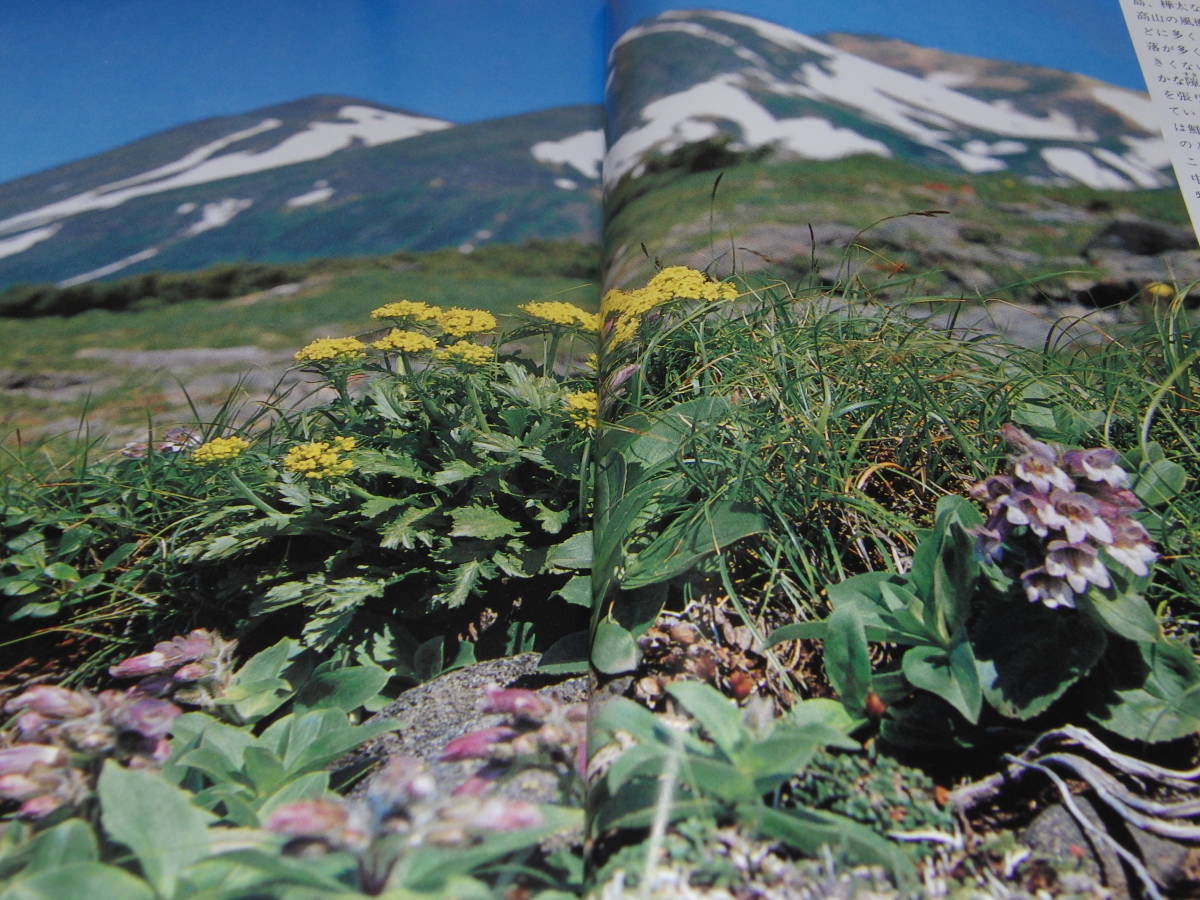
219	450
1160	289
583	408
689	284
458	322
320	459
562	314
672	283
406	309
625	328
405	341
339	349
467	352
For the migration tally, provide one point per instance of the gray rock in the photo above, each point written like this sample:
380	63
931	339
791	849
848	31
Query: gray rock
1141	238
1054	832
432	714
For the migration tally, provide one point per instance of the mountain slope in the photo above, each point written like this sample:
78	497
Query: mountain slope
321	176
687	76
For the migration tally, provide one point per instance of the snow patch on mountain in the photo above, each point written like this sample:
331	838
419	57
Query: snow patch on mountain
691	115
566	184
206	163
319	194
21	242
1142	177
583	151
935	110
1083	167
218	214
111	268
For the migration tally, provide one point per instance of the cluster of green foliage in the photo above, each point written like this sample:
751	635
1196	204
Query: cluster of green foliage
571	259
797	459
218	282
803	463
462	518
200	826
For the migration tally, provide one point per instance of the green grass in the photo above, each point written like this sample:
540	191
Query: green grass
843	428
335	303
676	213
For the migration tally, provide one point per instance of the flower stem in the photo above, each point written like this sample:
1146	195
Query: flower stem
256	500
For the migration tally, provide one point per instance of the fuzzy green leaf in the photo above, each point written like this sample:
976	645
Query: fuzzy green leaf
847	659
951	675
614	649
155	820
1148	692
79	879
1030	655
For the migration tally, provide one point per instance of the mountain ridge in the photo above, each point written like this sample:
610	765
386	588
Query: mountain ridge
329	174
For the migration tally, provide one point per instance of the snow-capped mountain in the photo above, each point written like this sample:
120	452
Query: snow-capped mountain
339	176
688	76
318	176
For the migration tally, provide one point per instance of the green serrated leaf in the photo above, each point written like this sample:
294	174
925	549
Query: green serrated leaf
482	522
401	533
455	470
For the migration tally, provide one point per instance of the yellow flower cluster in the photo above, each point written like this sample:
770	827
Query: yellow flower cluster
562	314
672	283
405	341
467	352
219	450
321	459
458	322
332	349
584	408
406	309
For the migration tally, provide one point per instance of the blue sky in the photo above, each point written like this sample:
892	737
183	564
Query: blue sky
82	76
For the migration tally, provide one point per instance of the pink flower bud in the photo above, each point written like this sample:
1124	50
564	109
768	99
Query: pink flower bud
476	744
20	759
32	726
195	645
502	814
515	701
403	781
309	818
193	672
18	787
148	716
37	807
53	701
145	664
475	786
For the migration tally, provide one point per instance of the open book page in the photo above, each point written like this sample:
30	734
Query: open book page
860	289
351	549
